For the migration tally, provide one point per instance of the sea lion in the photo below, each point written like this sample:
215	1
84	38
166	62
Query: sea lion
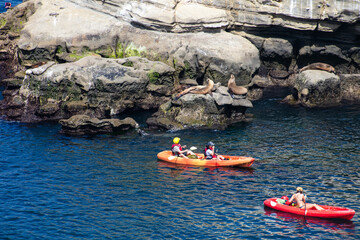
233	88
204	89
319	66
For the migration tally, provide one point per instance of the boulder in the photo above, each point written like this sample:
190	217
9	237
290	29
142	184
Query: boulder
211	111
315	88
276	53
350	87
83	124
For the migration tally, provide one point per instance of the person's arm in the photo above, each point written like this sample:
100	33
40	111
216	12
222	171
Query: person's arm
214	151
291	199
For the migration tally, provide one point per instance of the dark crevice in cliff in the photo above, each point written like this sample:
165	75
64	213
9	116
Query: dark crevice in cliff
343	35
139	116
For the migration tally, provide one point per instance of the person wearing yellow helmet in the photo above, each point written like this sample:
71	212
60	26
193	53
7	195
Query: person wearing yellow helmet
177	149
300	200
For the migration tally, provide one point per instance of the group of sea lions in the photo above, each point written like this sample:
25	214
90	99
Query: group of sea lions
210	86
233	89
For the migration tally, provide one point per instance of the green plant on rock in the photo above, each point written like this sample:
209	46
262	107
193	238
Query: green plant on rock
128	64
189	71
133	50
85	52
60	50
128	50
153	76
119	51
2	22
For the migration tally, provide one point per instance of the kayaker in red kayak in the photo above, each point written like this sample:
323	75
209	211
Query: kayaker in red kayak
210	152
300	200
177	149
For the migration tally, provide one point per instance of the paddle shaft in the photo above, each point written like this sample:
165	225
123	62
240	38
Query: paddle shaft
305	205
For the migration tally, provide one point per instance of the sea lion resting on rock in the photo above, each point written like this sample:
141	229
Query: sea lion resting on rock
319	66
204	89
233	88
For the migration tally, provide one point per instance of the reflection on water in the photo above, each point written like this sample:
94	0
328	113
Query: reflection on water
338	226
183	171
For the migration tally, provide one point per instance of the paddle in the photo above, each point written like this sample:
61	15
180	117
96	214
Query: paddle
171	157
305	205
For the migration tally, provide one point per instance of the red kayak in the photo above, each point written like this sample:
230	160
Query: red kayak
231	161
328	212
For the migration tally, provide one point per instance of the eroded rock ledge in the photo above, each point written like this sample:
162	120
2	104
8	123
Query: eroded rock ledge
93	85
83	124
216	110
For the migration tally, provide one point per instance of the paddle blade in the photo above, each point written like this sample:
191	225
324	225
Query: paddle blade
193	148
171	157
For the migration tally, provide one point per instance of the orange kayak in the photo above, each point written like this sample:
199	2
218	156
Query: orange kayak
328	212
231	161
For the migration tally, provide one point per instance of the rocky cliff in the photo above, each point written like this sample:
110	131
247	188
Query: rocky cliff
263	43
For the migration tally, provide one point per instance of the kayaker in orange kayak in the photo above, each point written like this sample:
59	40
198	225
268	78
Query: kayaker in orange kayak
177	149
209	152
300	200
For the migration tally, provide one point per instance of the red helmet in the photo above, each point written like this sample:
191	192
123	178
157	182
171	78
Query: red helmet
285	198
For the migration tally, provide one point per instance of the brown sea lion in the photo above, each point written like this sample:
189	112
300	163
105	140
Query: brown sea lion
36	65
204	89
233	88
319	66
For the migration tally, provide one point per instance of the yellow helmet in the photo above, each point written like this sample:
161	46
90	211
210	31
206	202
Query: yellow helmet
176	140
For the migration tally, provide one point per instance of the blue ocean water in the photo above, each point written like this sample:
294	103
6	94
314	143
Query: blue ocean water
13	4
54	186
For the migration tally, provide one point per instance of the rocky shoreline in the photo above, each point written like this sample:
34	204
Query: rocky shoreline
61	59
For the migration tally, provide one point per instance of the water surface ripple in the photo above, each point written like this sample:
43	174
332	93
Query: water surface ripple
112	187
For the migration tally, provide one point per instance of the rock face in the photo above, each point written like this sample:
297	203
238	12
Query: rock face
82	124
293	14
315	88
94	86
101	58
350	87
211	111
49	34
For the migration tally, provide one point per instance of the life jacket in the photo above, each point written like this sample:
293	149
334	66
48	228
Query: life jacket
172	148
209	156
